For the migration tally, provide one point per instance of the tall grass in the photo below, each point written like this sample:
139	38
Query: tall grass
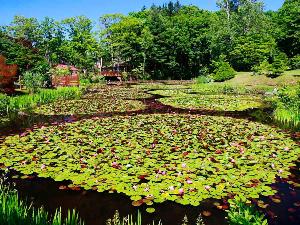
287	107
13	211
10	106
128	220
241	213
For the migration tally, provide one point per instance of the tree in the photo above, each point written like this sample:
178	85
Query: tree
288	20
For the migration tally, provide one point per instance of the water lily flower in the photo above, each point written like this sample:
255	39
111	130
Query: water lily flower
134	187
280	171
128	165
181	191
171	188
146	189
207	187
183	165
114	164
286	149
188	181
163	173
272	165
232	160
43	167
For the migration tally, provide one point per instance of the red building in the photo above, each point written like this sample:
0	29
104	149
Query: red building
71	78
8	74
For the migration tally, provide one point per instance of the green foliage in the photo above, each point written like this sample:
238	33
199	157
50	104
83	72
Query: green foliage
4	101
91	78
223	72
128	220
203	80
280	64
287	107
214	102
275	69
17	104
137	148
241	213
58	71
288	22
33	81
295	62
14	211
264	68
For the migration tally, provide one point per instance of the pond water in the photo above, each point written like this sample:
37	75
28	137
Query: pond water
95	208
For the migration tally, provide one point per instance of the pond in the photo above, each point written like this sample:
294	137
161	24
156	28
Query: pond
104	153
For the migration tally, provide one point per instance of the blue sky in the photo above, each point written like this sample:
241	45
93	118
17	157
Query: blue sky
93	9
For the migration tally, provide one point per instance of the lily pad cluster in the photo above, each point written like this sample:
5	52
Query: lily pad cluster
89	106
105	92
214	102
155	158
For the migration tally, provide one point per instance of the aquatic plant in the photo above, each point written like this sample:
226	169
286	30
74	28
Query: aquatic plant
28	102
89	106
128	220
214	102
241	213
287	107
14	211
155	158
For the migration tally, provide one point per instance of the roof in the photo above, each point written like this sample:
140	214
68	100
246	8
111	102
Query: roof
63	66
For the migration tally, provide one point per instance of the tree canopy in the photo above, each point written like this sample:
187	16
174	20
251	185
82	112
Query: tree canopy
169	41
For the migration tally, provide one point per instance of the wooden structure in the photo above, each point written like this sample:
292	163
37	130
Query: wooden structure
111	73
71	79
8	74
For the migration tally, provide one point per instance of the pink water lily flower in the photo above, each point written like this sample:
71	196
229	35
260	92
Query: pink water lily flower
189	181
207	187
43	167
183	165
181	191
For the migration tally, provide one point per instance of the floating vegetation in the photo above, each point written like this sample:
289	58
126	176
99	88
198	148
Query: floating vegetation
116	93
214	102
154	158
89	106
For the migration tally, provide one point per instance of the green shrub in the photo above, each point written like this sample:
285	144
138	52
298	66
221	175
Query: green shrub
295	62
279	65
287	107
4	101
58	71
241	213
203	80
33	81
223	72
264	68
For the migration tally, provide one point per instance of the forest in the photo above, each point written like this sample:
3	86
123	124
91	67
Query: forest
171	41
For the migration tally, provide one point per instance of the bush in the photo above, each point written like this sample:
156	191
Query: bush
4	101
295	62
33	81
58	71
223	72
203	80
240	213
264	68
279	65
275	69
287	107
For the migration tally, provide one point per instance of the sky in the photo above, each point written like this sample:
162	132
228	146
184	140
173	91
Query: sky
60	9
